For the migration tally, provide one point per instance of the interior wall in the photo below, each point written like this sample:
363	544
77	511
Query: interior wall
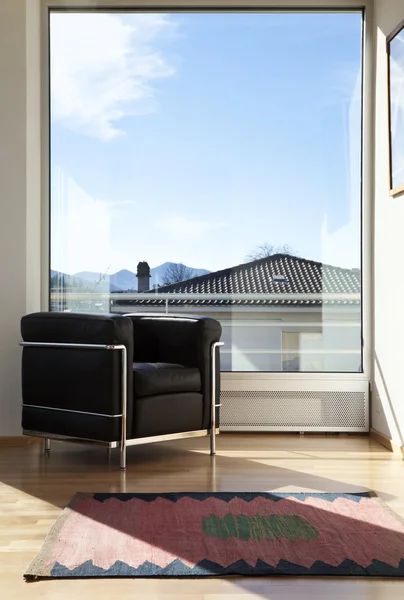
388	383
19	238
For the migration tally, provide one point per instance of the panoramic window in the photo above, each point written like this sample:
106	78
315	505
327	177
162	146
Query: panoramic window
210	163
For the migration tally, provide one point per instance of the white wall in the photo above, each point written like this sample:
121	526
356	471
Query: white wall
19	265
388	384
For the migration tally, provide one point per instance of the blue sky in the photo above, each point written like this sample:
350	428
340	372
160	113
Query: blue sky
196	137
397	108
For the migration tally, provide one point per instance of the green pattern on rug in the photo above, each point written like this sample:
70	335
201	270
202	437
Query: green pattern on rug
258	527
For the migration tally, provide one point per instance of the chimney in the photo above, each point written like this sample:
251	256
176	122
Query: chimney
143	277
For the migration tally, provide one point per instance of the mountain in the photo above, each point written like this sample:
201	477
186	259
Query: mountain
92	280
157	273
126	280
85	281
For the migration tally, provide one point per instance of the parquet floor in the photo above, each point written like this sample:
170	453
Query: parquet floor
34	490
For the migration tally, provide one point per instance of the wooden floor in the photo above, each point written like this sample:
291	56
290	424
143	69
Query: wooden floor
34	490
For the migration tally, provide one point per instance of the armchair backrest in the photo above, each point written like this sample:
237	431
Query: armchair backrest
175	338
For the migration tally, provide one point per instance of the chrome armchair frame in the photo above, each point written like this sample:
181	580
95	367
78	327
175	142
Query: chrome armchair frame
124	442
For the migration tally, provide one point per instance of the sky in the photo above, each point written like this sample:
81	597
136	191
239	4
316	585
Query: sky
196	137
397	108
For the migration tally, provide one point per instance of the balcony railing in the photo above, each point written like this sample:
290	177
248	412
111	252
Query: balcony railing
165	299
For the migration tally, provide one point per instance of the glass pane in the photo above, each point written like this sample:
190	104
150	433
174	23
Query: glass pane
396	92
211	163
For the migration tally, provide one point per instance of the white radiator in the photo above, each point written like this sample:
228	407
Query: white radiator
320	409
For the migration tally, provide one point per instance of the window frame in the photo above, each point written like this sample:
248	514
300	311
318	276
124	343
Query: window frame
368	59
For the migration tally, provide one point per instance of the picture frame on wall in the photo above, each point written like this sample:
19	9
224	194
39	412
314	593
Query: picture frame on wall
395	57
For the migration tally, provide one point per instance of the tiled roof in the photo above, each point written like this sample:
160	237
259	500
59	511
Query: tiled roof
297	276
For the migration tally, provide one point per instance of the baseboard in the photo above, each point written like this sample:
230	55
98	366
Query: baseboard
17	440
387	442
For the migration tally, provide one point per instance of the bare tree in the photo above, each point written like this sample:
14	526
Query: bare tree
177	272
264	250
101	278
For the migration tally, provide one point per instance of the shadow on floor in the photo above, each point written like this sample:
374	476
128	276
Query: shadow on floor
186	466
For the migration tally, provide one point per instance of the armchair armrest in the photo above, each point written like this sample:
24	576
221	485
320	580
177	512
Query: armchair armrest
179	338
75	391
76	328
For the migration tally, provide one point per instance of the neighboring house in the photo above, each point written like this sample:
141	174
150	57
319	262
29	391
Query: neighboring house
279	313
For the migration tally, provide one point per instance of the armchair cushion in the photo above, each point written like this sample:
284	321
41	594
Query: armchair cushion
182	339
167	413
151	379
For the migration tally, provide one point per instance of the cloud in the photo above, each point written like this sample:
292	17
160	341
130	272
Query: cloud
81	227
114	203
84	235
181	226
103	67
341	87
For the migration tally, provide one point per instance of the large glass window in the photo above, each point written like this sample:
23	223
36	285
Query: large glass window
210	162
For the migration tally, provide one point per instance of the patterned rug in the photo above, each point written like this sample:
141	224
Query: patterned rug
209	534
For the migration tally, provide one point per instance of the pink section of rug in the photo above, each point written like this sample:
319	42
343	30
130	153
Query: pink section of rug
160	531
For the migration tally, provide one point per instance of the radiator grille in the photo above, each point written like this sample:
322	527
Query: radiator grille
300	410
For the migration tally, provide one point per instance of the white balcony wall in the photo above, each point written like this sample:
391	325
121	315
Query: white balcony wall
253	341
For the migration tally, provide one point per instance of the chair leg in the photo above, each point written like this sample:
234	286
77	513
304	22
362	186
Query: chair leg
124	406
123	456
214	400
213	440
47	446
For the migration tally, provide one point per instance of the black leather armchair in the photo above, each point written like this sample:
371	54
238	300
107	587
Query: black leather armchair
120	380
